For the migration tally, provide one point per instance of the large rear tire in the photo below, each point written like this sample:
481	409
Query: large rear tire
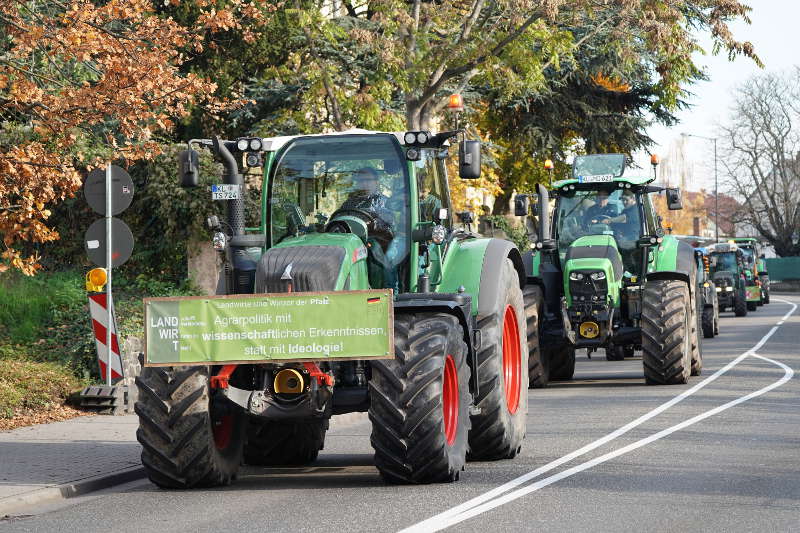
497	431
184	443
666	332
538	367
419	401
708	323
284	442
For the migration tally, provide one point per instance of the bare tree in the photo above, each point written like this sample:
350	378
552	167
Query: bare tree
761	154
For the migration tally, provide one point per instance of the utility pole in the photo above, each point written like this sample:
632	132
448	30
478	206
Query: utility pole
716	182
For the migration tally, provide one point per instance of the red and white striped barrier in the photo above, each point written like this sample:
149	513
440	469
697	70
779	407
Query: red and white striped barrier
99	313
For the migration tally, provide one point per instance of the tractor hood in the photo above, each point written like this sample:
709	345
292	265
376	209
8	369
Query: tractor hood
313	262
587	256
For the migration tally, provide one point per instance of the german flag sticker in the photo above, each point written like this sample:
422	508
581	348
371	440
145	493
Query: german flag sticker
374	300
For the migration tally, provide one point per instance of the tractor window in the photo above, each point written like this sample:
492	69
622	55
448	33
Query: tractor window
725	261
651	218
432	186
587	213
344	183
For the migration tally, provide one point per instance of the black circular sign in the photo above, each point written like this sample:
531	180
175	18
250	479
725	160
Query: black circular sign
121	239
94	190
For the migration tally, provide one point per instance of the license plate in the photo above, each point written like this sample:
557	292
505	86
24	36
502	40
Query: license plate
225	192
596	178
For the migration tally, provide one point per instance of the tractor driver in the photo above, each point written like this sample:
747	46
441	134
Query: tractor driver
387	245
601	212
366	197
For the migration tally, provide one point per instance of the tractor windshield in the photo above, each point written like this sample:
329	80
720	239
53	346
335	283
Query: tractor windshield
600	212
725	261
344	183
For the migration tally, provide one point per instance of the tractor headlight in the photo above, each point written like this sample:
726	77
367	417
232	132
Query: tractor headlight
719	289
409	137
422	137
597	275
253	159
575	276
729	289
255	145
241	144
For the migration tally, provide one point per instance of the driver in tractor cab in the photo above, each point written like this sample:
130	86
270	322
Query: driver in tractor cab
367	197
626	227
601	211
386	247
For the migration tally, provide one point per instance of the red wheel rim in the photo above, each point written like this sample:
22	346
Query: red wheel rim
223	429
450	399
512	359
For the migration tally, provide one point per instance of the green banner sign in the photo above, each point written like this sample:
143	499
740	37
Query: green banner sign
300	326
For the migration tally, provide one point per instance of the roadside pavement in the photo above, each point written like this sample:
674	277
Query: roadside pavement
65	459
74	457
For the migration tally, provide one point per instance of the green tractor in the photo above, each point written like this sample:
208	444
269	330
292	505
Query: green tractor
755	258
729	272
605	275
347	212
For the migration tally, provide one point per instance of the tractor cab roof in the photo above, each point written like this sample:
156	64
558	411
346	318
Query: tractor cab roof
722	247
421	139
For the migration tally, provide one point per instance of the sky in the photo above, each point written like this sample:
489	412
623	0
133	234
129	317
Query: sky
775	35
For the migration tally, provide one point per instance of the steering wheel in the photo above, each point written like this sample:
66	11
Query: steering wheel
376	227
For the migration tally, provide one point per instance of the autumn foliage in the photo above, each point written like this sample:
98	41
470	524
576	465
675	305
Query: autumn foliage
82	83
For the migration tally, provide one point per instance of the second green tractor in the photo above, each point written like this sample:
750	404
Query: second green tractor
604	274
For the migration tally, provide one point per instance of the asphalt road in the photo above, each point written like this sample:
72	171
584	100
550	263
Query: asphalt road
603	453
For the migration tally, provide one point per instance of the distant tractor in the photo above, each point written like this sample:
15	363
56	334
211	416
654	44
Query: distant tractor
729	273
754	256
605	275
347	212
706	295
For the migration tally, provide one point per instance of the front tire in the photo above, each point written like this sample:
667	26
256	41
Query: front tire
284	442
740	306
666	332
708	322
497	431
562	362
419	401
185	444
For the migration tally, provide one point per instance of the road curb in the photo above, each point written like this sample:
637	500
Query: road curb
104	481
70	490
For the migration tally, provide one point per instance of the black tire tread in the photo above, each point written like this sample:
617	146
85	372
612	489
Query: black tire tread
175	430
496	433
664	332
538	369
406	402
284	442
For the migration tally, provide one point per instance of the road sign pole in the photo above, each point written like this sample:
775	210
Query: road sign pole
109	322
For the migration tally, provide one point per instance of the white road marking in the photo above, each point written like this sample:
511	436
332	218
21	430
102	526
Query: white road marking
453	515
519	493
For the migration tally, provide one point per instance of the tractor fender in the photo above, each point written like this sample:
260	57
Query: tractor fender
497	252
675	260
458	305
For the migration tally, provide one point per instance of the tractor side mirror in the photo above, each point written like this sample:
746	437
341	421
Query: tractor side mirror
522	205
188	168
469	160
674	201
